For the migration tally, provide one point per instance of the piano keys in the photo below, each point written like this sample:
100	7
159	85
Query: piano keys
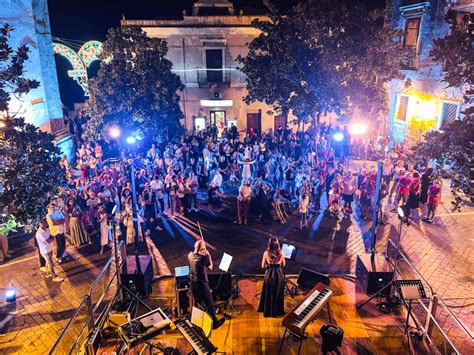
195	336
306	311
144	328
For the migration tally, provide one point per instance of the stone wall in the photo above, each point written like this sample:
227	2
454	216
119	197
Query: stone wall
41	106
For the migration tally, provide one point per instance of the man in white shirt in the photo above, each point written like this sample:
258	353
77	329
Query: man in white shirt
45	246
214	185
158	188
57	227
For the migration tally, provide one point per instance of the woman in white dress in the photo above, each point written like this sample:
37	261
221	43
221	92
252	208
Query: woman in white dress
105	234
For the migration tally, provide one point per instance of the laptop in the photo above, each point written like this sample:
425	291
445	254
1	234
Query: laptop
181	274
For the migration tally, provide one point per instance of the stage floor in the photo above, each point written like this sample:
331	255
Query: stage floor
366	331
326	246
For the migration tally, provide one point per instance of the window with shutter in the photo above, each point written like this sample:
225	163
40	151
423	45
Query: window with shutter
402	108
449	113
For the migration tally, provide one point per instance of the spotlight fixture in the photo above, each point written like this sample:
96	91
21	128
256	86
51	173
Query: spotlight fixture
338	136
10	295
403	214
114	132
131	140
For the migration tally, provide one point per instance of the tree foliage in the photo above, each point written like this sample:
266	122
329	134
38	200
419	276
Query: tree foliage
29	160
323	56
135	87
453	146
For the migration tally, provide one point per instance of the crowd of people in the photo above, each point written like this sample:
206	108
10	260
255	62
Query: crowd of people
273	176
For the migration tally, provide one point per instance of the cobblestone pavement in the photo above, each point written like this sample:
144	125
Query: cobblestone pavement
32	324
443	252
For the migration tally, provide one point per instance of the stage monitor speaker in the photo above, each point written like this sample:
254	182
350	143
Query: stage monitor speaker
184	301
220	285
307	279
141	282
373	273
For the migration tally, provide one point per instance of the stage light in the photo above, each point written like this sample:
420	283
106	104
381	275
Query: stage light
338	136
403	214
114	132
357	129
10	295
131	140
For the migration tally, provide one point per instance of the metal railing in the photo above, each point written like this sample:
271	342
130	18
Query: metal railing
101	294
438	324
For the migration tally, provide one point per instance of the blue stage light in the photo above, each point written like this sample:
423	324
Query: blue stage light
131	140
10	295
338	136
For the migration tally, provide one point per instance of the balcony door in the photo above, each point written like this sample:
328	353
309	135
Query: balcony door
214	64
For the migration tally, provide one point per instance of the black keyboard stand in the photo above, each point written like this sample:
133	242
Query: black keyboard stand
302	336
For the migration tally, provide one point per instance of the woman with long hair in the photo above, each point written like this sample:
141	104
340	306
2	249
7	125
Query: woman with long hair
272	299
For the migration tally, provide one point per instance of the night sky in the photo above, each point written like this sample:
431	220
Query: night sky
84	20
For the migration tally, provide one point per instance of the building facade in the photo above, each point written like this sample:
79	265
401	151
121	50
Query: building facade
41	106
428	103
203	48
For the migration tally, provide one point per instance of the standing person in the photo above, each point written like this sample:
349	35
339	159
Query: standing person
348	191
329	178
149	200
414	192
317	191
243	201
272	299
192	187
214	185
403	189
45	246
426	181
277	204
398	172
105	234
387	171
434	197
303	207
77	231
171	189
200	261
157	187
366	192
56	221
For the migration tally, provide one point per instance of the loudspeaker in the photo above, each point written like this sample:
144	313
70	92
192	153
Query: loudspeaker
373	273
141	282
184	301
220	285
307	279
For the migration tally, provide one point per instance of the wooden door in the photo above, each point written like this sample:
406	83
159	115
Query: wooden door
279	121
254	120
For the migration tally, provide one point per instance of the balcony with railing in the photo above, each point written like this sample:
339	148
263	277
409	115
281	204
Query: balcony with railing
207	77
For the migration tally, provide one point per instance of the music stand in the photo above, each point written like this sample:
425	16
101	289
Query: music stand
410	290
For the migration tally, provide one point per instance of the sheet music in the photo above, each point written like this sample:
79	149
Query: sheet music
225	262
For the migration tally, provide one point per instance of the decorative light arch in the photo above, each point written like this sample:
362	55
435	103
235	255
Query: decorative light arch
87	54
90	52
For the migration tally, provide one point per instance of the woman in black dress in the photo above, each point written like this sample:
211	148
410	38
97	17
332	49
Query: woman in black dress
272	300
